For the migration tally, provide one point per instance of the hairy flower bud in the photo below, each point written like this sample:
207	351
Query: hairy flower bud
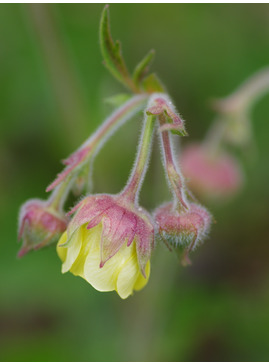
109	244
39	225
183	230
213	176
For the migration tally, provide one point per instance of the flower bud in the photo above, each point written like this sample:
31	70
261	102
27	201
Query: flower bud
39	225
108	243
182	231
213	176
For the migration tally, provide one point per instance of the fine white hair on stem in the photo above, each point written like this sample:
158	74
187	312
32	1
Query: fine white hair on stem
94	143
177	169
134	171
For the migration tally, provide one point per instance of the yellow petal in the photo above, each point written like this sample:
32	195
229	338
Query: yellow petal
87	243
73	250
128	274
103	279
141	280
61	251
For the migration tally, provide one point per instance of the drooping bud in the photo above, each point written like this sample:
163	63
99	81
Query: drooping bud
39	225
185	230
109	243
212	176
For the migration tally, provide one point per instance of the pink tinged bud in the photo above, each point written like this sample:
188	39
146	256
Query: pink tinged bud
121	224
213	176
183	230
162	105
39	225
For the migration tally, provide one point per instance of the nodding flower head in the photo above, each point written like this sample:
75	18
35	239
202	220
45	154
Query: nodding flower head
109	244
185	230
213	176
39	225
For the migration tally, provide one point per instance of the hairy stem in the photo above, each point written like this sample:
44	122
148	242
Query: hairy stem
175	178
133	186
91	146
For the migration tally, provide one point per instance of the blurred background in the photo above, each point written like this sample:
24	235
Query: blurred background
53	87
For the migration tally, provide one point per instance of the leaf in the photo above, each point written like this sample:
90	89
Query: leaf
143	67
111	52
152	84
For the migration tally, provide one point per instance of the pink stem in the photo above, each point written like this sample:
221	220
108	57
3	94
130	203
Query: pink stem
173	173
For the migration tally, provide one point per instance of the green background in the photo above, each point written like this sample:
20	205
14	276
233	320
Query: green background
53	86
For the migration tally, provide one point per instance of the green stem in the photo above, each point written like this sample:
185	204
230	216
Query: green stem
135	181
58	196
122	114
235	107
248	93
91	146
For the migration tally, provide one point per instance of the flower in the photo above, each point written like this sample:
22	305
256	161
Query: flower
108	243
39	225
214	176
183	230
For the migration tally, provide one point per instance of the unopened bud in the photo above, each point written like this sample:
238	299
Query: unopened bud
212	176
182	231
39	225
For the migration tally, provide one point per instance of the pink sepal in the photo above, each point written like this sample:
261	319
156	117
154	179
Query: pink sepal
39	225
121	224
176	226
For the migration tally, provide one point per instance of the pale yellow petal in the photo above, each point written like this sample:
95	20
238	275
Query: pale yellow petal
103	279
141	280
129	272
73	250
88	243
61	251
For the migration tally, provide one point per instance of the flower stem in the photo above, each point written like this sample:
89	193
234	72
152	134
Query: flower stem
175	178
248	93
235	109
121	115
59	194
132	189
91	146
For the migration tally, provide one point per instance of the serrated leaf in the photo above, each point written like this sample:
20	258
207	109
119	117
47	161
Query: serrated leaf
118	100
111	52
152	84
143	67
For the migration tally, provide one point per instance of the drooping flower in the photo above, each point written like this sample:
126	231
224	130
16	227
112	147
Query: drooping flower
213	176
109	244
183	230
39	225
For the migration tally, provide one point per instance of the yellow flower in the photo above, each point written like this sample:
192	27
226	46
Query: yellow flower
82	255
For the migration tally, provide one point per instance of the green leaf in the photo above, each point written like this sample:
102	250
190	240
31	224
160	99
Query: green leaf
143	67
152	84
118	100
111	52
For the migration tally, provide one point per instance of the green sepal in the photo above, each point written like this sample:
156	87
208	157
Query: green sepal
118	100
152	84
170	126
111	52
143	67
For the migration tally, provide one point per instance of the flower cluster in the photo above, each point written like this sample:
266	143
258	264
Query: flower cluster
108	239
